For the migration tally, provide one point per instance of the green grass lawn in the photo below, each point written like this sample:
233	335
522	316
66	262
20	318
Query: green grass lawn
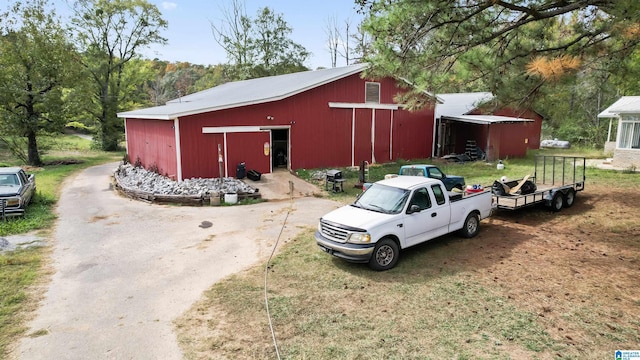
479	172
22	270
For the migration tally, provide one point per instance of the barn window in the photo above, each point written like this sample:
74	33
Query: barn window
629	133
372	92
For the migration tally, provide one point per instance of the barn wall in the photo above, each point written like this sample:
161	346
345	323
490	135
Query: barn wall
412	134
320	136
153	143
247	148
530	131
507	139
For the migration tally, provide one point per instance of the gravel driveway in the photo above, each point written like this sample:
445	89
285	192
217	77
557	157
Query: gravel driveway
123	270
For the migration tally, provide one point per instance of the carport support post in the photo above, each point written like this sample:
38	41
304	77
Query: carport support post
220	161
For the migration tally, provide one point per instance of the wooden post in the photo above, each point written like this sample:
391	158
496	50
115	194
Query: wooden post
220	161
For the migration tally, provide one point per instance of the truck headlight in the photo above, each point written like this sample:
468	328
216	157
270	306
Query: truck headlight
360	238
14	201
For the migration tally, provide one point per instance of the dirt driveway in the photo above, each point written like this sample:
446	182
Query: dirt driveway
123	270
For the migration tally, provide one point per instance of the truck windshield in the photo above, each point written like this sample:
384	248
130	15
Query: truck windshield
382	198
9	179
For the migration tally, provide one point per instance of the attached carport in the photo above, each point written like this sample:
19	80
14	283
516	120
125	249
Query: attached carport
485	137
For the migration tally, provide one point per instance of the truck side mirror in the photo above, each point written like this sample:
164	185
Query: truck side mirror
414	209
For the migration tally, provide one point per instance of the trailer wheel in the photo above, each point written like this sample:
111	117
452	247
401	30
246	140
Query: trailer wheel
385	255
557	202
569	198
471	226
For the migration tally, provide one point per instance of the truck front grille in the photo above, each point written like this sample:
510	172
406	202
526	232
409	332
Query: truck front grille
333	232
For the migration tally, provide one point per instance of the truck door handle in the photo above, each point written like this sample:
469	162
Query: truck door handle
399	225
434	214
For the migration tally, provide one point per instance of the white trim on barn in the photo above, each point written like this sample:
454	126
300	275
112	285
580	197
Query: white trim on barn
339	105
485	119
232	129
176	128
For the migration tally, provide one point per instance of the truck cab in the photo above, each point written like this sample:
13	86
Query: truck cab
431	171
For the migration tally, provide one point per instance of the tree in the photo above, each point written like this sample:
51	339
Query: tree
110	33
275	52
511	48
234	36
339	43
35	66
333	39
260	46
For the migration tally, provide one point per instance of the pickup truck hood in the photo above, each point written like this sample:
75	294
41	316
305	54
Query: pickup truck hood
9	190
357	217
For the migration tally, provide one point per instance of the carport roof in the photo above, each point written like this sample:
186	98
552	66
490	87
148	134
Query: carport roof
460	103
242	93
485	119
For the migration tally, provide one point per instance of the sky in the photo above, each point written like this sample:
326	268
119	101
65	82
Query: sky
190	38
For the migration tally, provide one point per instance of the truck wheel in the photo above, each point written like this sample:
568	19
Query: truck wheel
557	202
385	255
471	226
569	198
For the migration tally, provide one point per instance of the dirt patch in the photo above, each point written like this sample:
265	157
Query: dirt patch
582	263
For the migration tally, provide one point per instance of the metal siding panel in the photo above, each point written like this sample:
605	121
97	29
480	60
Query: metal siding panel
383	129
153	143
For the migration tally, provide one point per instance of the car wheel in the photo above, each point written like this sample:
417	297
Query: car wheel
385	255
569	198
471	226
557	202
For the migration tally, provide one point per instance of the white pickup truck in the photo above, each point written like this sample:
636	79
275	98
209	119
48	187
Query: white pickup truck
397	213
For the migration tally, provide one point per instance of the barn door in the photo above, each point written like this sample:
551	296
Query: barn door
248	148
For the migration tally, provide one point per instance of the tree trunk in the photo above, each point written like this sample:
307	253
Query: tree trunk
33	154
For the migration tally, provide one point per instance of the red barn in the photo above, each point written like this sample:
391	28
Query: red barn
470	123
312	119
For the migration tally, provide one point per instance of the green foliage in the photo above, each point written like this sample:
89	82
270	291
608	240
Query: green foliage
566	61
78	127
125	27
36	59
438	45
258	46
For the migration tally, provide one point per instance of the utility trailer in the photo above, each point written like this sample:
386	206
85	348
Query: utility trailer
555	182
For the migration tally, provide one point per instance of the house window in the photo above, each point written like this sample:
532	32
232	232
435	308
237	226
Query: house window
372	92
629	132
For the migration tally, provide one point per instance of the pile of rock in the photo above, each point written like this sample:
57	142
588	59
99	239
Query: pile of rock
132	177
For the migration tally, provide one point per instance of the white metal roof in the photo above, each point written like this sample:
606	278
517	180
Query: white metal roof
242	93
624	105
460	104
485	119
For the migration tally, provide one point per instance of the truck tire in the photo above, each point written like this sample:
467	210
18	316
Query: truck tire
557	201
471	226
569	198
385	255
